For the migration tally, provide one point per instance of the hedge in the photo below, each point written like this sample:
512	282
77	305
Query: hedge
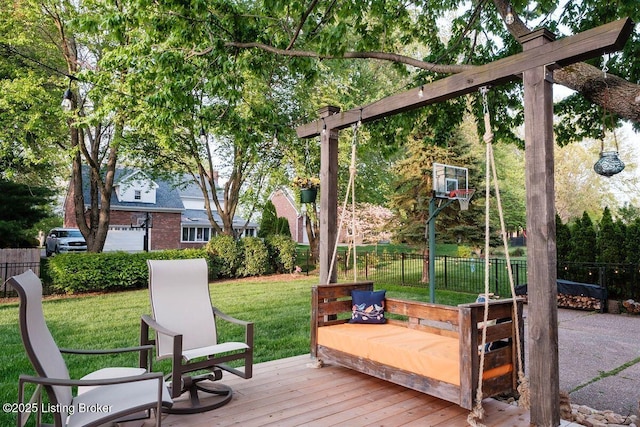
115	271
108	271
282	253
255	257
226	254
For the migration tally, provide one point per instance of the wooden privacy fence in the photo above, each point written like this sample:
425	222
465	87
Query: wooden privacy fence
17	261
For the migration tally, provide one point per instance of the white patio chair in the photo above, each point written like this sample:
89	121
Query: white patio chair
185	328
106	395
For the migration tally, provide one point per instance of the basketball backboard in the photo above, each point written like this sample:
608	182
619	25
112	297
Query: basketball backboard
139	220
448	180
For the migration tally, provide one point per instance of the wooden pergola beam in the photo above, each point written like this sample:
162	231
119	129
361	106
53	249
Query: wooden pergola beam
597	41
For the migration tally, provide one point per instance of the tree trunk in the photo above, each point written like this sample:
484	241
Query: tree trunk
313	233
611	92
425	266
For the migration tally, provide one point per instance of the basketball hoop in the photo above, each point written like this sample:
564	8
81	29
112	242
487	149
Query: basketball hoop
463	196
141	220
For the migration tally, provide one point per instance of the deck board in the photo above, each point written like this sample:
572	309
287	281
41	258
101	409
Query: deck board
288	392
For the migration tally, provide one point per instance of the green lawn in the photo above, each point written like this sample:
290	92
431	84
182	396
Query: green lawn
279	306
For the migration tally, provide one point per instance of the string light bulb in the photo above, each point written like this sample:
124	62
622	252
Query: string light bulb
67	100
508	18
421	92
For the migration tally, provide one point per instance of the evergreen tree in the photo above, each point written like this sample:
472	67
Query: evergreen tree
282	227
271	224
632	242
583	240
621	237
412	192
22	206
268	220
610	241
628	213
563	240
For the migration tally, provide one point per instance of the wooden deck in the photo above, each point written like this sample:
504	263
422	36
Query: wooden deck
287	392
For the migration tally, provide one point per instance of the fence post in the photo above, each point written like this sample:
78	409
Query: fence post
602	276
496	281
346	260
446	275
4	279
402	268
366	265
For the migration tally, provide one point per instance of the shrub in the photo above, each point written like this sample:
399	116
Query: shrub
255	257
226	255
271	223
282	227
517	252
464	251
282	253
108	271
268	220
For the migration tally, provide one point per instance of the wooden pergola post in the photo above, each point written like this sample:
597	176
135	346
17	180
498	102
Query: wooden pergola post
544	380
328	196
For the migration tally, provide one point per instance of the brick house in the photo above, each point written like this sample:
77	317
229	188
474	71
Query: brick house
178	219
287	207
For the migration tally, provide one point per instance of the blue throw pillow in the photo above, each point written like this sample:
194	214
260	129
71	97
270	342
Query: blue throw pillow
368	307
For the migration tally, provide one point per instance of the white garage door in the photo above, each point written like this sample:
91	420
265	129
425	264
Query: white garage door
125	239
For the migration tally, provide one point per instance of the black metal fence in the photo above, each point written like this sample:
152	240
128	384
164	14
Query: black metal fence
452	273
8	269
622	281
467	274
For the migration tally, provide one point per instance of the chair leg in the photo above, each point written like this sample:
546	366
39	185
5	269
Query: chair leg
200	393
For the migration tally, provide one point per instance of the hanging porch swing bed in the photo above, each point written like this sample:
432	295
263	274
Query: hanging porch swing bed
427	347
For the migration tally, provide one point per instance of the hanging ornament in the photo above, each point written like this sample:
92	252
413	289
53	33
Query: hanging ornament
609	163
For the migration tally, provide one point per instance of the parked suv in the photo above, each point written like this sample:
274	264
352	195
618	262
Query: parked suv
65	240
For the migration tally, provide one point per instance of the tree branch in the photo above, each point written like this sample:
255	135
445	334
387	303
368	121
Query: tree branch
303	19
385	56
584	78
612	93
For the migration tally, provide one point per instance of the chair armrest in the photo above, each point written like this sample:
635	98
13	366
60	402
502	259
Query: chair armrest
230	319
147	322
106	351
248	326
90	383
158	327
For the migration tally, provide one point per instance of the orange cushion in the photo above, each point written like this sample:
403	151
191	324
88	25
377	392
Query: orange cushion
426	354
429	355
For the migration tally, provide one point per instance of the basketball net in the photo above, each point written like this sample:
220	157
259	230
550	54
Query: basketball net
463	196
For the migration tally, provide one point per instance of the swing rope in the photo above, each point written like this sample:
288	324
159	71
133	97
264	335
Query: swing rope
491	172
351	191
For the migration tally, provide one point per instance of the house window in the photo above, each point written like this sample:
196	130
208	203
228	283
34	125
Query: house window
137	195
196	234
